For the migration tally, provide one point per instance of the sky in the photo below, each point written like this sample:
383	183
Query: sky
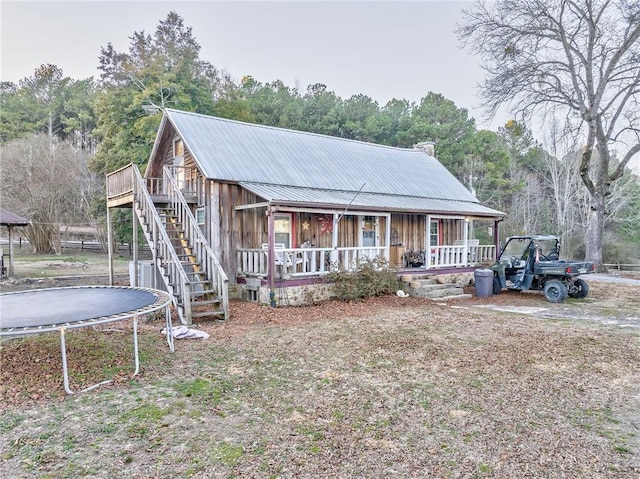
381	49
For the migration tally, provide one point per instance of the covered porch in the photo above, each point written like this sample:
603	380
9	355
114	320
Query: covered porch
304	243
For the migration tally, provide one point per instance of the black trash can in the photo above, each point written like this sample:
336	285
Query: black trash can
484	282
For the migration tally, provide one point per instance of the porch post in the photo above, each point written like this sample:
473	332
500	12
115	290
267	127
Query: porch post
135	248
10	268
387	238
427	251
496	237
271	256
110	245
334	240
465	240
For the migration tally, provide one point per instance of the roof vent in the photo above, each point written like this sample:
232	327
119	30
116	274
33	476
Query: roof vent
427	146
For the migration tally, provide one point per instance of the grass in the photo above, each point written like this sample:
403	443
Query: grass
29	265
424	391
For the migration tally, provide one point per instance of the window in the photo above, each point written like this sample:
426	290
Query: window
282	227
369	231
178	148
201	219
433	234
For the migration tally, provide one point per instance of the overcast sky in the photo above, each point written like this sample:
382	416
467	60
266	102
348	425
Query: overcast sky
381	49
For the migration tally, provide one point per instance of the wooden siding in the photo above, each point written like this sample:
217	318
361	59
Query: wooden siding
410	230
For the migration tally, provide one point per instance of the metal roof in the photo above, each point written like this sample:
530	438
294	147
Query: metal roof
7	218
228	150
294	196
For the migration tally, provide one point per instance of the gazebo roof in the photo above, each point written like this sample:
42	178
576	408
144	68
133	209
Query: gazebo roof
8	218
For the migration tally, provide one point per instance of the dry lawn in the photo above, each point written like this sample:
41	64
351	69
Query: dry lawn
391	387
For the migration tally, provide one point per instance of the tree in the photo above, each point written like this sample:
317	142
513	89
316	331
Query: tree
48	102
162	70
580	58
59	190
439	120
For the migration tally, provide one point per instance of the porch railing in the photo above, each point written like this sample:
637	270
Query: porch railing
447	255
304	261
318	261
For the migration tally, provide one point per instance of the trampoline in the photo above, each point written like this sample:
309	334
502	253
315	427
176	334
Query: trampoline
59	309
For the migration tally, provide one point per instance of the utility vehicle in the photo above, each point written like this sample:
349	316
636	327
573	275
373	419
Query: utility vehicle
532	263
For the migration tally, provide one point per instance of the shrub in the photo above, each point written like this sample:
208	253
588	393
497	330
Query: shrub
373	277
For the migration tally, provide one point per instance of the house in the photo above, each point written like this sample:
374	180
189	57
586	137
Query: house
224	202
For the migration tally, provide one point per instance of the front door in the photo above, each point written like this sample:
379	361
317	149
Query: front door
369	236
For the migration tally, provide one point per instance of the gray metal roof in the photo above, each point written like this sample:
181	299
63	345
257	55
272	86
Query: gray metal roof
228	150
8	218
294	196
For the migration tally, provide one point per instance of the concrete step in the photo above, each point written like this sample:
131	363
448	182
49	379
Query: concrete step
452	297
451	290
428	285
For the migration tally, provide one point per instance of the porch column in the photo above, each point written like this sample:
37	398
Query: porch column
334	240
135	248
427	251
387	238
110	245
271	256
496	237
465	240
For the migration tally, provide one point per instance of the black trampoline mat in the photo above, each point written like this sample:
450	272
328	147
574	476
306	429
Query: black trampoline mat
35	308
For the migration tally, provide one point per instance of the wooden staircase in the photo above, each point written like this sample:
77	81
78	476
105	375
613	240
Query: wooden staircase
189	270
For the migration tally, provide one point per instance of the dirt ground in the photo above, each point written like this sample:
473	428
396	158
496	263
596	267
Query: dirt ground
506	386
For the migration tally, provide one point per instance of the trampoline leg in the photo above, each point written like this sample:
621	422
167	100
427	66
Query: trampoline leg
65	371
168	328
65	374
135	344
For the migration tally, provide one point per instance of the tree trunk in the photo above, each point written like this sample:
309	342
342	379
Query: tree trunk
595	229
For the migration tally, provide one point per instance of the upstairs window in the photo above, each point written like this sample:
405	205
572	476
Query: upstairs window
178	148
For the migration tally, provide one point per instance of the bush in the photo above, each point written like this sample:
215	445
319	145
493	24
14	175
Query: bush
373	277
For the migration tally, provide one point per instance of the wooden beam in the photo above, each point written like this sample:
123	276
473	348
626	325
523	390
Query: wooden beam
264	204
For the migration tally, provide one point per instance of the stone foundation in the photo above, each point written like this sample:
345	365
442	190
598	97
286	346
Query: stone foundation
297	295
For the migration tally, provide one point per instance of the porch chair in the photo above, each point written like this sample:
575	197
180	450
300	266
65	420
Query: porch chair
282	257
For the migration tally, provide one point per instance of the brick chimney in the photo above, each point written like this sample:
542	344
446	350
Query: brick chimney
427	146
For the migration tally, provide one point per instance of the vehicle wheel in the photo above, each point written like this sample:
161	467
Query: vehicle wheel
555	291
580	289
497	287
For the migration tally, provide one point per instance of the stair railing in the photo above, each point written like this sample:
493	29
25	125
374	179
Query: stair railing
211	267
165	256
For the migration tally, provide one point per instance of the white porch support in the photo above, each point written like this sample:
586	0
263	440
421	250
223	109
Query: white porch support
334	239
465	241
427	250
387	237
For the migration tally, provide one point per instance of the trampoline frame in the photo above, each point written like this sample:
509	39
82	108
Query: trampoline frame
163	300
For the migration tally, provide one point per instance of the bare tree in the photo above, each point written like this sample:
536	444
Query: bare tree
48	182
580	58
